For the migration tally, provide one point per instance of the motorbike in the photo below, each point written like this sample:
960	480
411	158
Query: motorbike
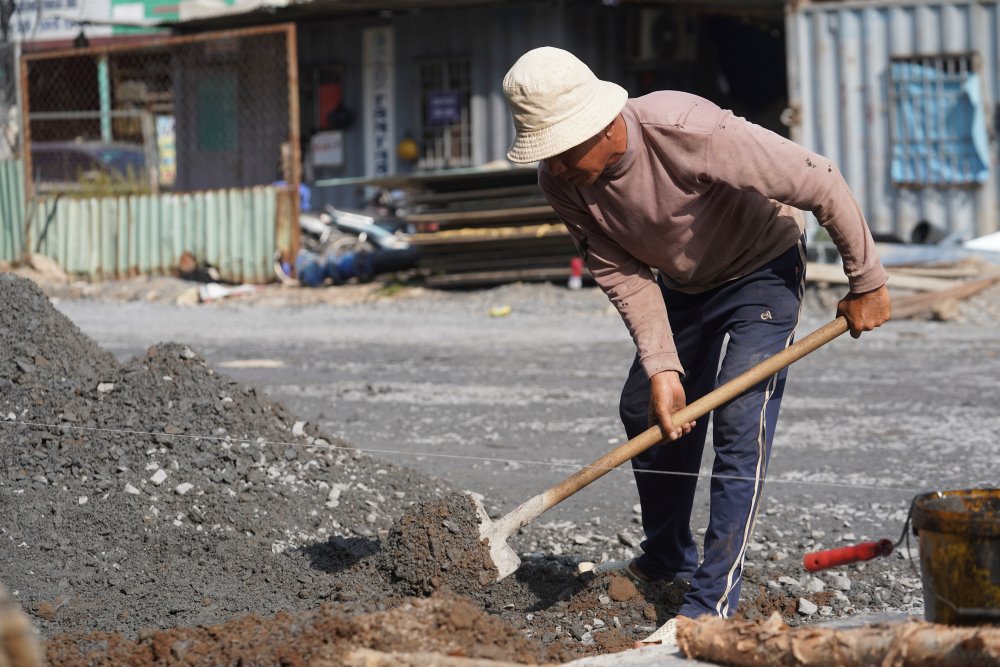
338	245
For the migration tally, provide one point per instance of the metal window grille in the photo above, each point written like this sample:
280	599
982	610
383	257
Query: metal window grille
173	114
936	121
446	132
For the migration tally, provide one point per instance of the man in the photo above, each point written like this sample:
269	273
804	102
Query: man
671	182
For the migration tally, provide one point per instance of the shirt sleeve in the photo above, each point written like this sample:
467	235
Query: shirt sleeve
628	283
750	157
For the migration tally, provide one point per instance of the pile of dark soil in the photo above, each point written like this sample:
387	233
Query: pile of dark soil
140	498
436	545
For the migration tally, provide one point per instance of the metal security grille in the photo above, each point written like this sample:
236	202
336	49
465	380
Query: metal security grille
174	114
446	131
937	123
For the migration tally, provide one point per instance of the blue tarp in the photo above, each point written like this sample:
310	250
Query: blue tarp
940	135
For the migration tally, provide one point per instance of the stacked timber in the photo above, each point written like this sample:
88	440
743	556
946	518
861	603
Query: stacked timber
484	227
933	290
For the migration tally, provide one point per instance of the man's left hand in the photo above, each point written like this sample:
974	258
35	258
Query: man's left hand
865	311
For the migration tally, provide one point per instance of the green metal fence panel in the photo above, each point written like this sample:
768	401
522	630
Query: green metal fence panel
11	210
112	237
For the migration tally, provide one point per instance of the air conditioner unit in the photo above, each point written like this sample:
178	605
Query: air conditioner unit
664	35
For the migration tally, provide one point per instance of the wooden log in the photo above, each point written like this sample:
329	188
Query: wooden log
774	644
19	645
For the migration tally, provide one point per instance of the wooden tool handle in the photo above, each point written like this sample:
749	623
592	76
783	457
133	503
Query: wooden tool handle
699	408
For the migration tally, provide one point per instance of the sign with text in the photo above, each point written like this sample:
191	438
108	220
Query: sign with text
166	148
52	20
378	63
444	107
327	149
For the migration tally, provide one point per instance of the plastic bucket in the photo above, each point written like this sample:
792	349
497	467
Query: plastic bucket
959	535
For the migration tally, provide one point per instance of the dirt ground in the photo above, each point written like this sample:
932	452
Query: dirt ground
157	511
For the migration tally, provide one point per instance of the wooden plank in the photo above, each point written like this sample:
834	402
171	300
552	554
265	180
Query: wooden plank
956	271
481	234
471	279
482	204
817	272
520	213
918	304
479	263
466	195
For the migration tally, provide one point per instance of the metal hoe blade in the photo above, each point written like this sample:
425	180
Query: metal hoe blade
504	558
497	532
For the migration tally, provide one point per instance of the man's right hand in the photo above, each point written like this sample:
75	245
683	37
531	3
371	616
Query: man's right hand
866	311
666	396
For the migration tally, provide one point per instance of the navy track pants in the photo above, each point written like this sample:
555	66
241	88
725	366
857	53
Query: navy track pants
759	313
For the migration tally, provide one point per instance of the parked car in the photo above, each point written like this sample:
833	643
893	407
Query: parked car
89	167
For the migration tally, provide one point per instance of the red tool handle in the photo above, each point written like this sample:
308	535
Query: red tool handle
821	560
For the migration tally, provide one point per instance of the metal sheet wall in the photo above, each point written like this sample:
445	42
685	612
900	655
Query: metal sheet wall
11	210
110	237
838	64
491	37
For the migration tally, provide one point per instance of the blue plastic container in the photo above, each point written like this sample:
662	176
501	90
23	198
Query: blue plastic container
309	269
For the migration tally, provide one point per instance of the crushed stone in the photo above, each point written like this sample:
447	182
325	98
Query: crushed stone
169	507
74	539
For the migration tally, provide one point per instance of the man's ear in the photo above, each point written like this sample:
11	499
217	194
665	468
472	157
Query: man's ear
610	129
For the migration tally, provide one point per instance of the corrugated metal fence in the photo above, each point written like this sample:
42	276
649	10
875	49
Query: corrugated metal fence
840	83
188	162
112	237
11	210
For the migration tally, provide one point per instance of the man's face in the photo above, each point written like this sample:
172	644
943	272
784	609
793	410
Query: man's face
583	163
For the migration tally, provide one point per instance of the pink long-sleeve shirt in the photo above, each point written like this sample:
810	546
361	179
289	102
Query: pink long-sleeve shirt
704	197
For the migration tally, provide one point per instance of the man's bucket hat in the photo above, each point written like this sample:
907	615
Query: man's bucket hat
557	103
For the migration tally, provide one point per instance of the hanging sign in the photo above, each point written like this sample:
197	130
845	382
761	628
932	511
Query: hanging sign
379	100
327	149
444	107
58	20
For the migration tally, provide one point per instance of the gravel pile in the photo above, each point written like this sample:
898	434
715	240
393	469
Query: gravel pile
142	497
161	493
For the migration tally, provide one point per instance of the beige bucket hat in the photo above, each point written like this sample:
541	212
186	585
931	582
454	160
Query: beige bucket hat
557	103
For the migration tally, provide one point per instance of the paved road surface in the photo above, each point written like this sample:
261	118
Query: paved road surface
495	404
